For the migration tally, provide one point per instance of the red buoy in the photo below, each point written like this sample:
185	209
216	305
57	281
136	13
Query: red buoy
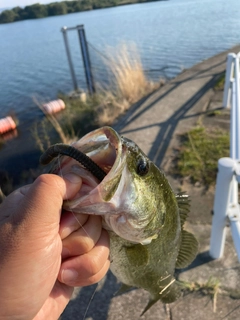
53	106
7	124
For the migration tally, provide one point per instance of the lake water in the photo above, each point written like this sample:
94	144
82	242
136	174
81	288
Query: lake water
175	33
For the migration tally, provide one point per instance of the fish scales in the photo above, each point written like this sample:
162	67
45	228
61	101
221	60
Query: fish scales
140	211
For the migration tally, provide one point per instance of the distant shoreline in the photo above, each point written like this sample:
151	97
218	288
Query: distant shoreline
37	11
16	166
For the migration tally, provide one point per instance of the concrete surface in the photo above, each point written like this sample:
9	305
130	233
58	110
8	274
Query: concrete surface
155	124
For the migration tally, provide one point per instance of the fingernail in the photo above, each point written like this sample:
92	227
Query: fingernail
73	178
67	231
69	276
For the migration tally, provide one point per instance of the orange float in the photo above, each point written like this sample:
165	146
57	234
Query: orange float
7	124
53	106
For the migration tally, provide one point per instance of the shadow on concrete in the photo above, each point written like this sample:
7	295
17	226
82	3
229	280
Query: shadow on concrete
167	128
226	317
161	143
125	120
91	302
201	259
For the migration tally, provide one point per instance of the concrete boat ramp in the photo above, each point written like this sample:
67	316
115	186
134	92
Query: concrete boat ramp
154	124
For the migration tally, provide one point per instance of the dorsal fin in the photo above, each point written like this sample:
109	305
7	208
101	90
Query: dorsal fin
183	205
187	251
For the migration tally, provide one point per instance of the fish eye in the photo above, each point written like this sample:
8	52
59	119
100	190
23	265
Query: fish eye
142	167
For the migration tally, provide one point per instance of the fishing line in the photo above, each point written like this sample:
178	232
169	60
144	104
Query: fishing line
90	301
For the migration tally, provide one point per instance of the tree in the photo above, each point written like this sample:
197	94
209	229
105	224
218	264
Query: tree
57	8
7	16
20	13
36	11
81	5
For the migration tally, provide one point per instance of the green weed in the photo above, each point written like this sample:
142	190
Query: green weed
199	154
219	85
210	288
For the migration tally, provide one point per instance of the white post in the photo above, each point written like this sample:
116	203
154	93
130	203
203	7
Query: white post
237	102
226	204
233	142
228	78
221	204
233	130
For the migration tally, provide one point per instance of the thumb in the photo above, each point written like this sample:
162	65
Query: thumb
45	196
41	202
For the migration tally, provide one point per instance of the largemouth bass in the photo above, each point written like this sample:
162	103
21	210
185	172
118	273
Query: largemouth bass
142	214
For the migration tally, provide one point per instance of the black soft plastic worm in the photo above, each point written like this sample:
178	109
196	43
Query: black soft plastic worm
66	150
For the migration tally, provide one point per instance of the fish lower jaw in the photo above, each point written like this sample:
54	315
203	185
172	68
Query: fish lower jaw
120	225
121	219
149	240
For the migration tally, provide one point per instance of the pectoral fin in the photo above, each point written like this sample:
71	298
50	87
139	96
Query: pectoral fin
187	251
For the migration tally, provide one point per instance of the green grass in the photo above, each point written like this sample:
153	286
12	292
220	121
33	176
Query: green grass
79	117
210	288
214	113
219	85
199	154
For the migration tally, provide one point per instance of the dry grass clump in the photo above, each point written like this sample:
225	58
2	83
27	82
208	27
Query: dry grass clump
109	109
128	83
129	79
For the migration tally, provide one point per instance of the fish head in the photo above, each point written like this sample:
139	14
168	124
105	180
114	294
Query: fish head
132	197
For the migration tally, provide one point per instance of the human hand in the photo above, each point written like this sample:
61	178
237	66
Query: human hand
44	253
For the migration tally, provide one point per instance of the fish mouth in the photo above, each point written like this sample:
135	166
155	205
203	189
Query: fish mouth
115	196
105	148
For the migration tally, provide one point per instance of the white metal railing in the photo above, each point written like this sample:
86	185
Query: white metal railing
226	207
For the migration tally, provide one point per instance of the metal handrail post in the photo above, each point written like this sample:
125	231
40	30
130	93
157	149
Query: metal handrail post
228	79
233	141
226	204
75	85
233	130
221	204
86	59
237	102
